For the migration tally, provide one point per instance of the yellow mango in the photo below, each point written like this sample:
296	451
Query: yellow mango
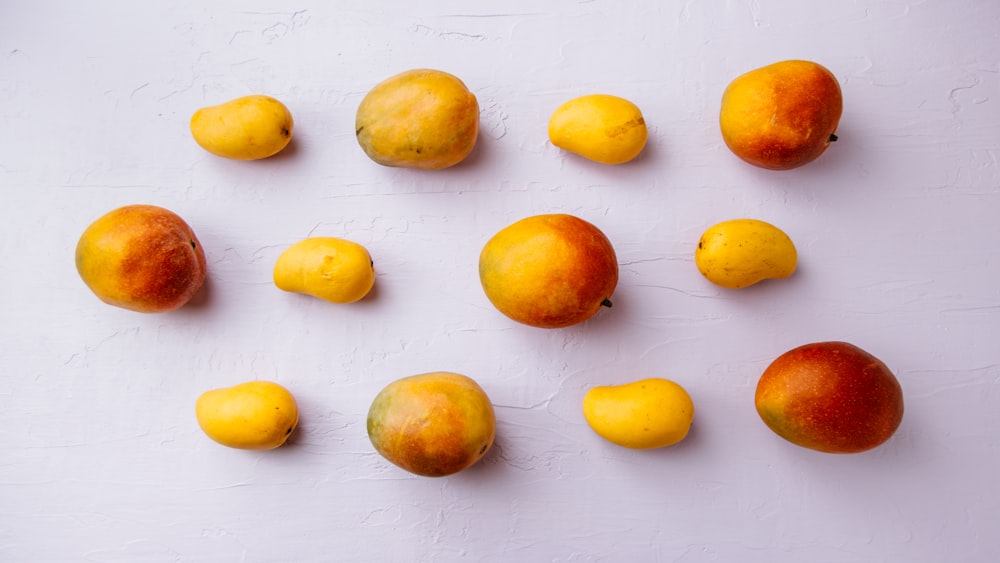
256	415
741	252
644	414
247	128
328	268
599	127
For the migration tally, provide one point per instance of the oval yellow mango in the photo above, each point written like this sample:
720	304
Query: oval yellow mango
599	127
328	268
741	252
256	415
645	414
246	128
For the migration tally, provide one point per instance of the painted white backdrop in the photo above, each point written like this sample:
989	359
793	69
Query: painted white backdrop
102	459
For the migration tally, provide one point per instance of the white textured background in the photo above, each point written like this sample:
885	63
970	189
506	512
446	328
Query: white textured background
101	458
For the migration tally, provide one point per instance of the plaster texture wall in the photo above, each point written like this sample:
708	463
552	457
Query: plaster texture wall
102	459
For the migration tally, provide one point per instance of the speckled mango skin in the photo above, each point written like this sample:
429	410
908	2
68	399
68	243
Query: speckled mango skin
141	257
245	128
742	252
831	397
644	414
423	118
432	424
256	415
549	271
781	116
600	127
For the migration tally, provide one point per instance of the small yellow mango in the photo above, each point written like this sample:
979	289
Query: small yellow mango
645	414
256	415
328	268
741	252
247	128
599	127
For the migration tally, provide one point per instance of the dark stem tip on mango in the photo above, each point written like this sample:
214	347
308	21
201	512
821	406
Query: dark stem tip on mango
832	137
606	303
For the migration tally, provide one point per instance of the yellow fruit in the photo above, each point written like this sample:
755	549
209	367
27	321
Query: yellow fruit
600	127
433	424
549	271
328	268
644	414
247	128
142	258
742	252
257	415
781	116
421	118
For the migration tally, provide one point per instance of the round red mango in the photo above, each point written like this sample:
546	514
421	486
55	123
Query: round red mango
830	396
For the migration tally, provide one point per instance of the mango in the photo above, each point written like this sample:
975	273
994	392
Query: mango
742	252
599	127
246	128
645	414
423	118
781	116
432	424
256	415
141	257
328	268
832	397
549	271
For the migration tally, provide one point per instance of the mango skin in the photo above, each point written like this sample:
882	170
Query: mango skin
422	118
831	397
599	127
256	415
783	115
645	414
246	128
433	424
549	271
142	258
742	252
328	268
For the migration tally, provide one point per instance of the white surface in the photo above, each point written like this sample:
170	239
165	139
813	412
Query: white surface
896	227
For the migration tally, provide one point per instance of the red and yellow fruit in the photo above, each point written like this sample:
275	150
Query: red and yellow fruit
142	258
549	271
433	424
830	396
782	115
